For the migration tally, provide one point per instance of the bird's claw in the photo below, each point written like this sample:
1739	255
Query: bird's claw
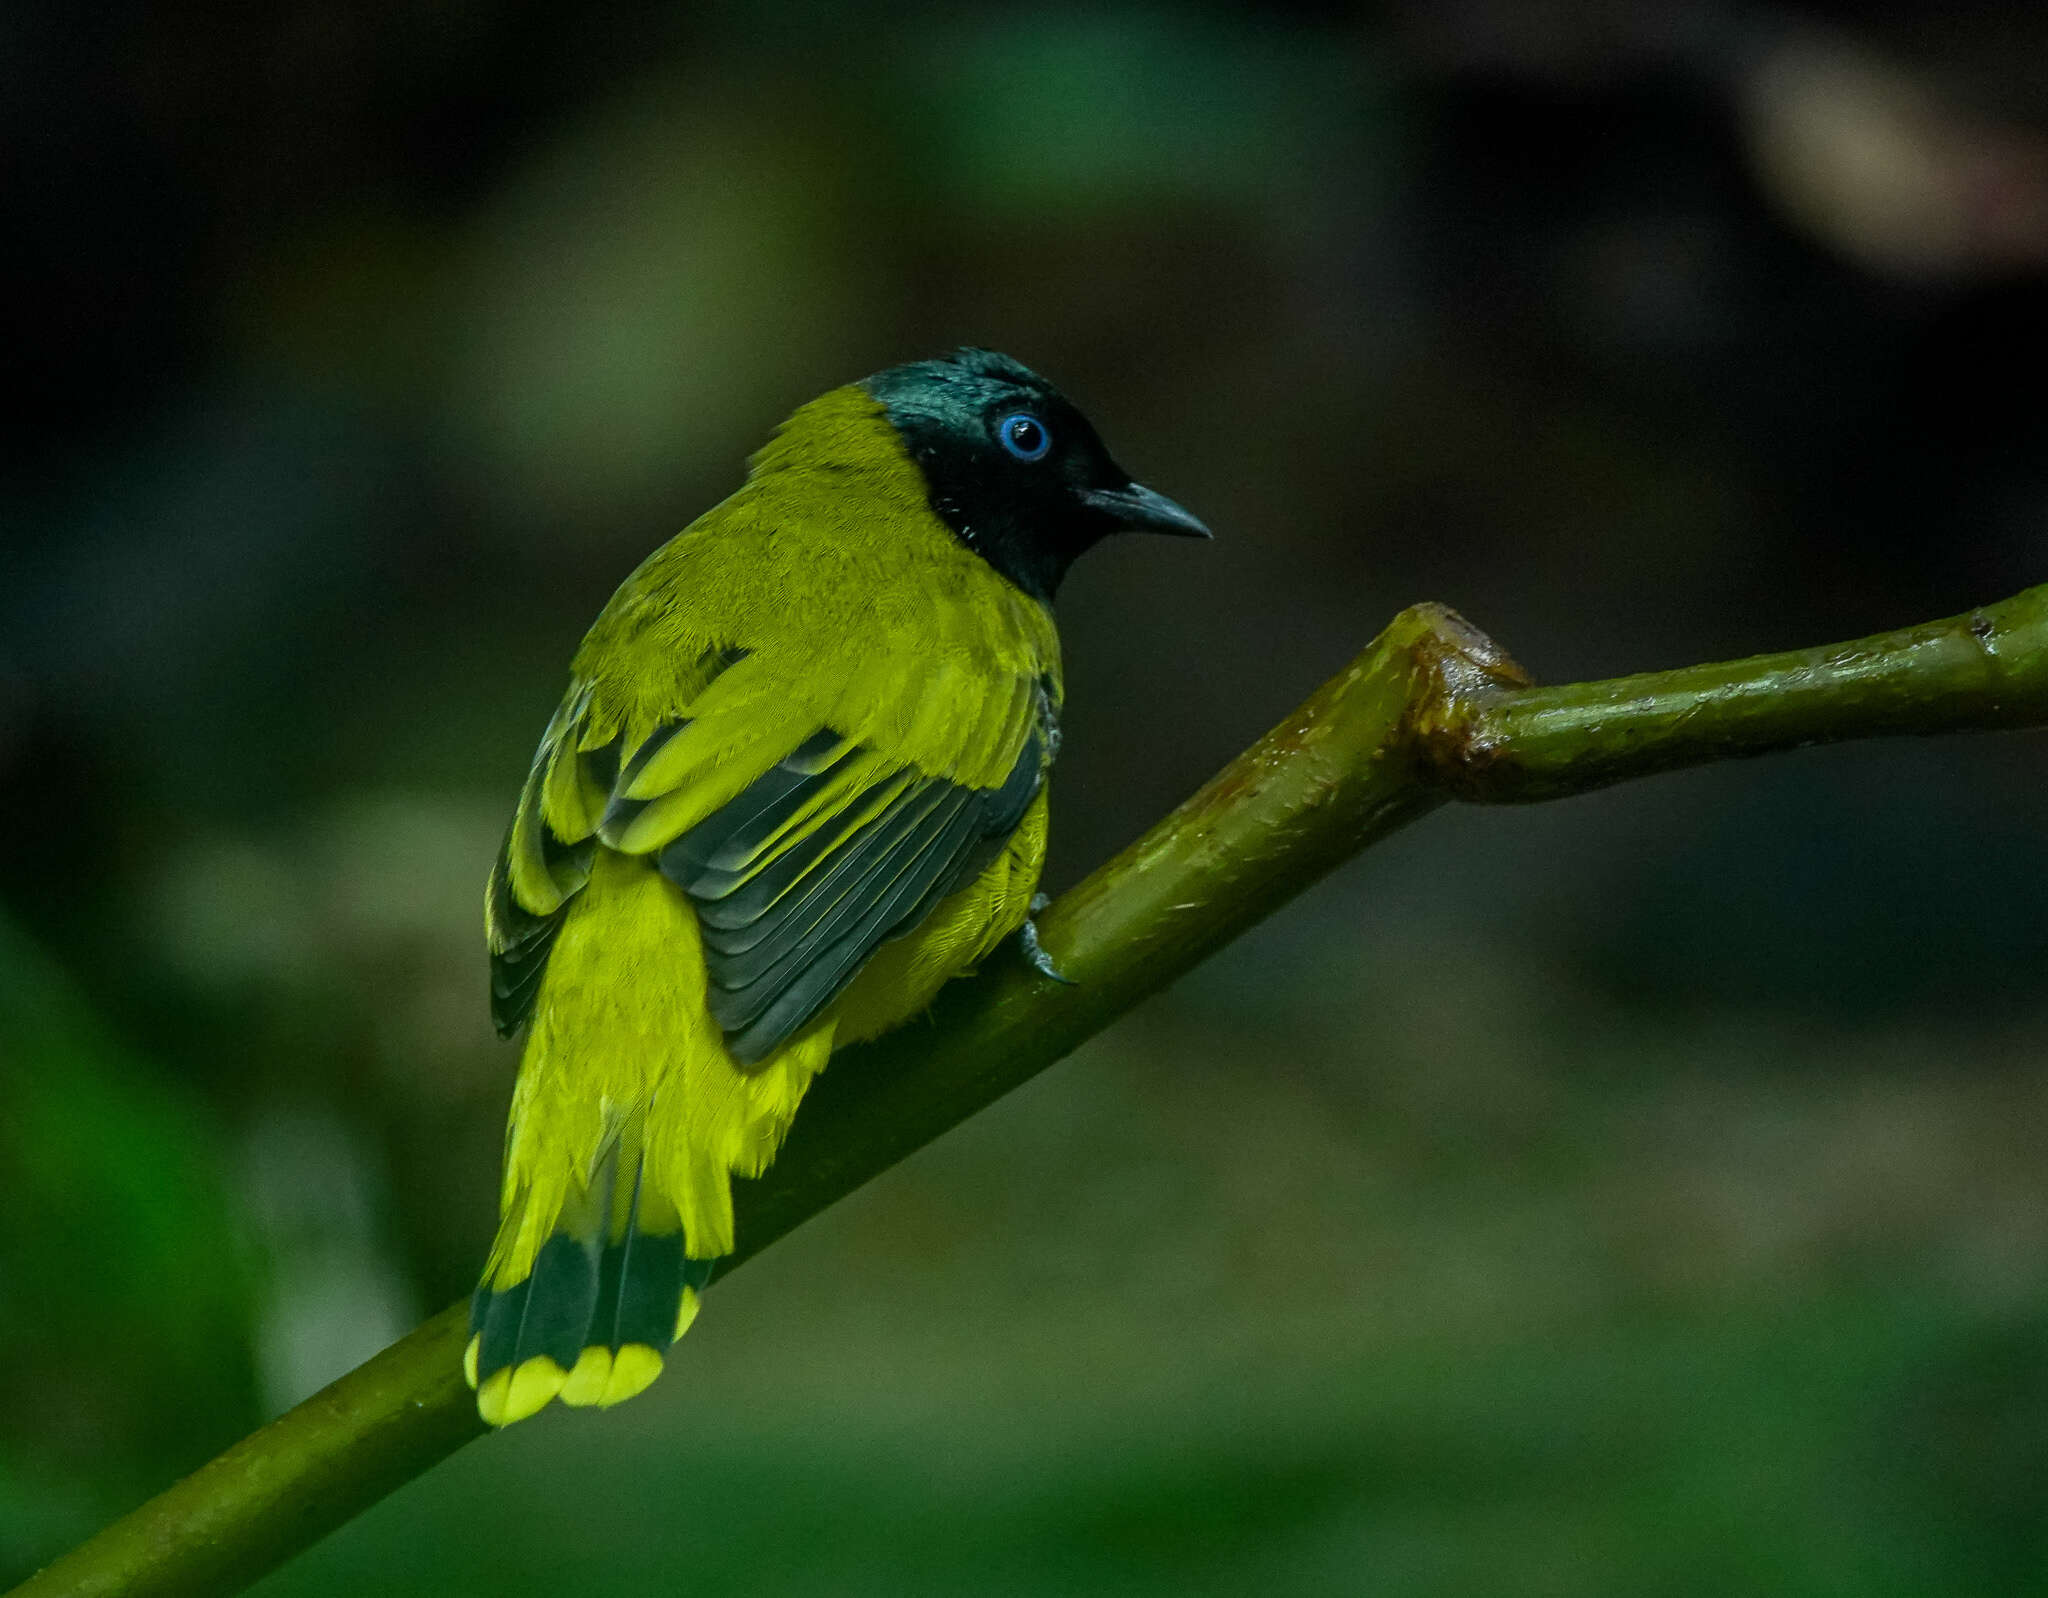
1034	952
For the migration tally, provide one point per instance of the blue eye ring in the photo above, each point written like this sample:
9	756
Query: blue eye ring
1024	436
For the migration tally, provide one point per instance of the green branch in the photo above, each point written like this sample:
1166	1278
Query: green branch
1432	711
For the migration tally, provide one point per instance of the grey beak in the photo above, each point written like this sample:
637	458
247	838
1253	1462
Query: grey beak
1138	509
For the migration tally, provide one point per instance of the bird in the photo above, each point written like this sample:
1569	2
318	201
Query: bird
796	784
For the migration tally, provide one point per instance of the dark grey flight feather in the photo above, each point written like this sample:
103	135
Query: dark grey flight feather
783	939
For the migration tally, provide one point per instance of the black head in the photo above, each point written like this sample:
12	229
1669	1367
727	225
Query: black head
1013	469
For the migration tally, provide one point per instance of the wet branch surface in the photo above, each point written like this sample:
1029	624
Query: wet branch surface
1432	711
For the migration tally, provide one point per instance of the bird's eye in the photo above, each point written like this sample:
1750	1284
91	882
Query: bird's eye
1024	436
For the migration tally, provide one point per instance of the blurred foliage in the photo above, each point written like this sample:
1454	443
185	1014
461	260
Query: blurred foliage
126	1288
1644	1194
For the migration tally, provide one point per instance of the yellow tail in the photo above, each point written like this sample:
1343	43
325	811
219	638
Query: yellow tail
628	1123
608	1291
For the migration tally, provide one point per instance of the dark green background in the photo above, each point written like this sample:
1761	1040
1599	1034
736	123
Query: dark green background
1641	1194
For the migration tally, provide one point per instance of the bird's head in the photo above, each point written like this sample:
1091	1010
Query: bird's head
1013	468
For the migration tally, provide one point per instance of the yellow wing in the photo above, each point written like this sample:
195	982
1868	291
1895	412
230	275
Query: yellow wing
799	849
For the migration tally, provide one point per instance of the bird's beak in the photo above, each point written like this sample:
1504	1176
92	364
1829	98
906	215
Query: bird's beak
1138	509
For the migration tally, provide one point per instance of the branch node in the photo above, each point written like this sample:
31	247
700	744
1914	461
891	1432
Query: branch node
1460	674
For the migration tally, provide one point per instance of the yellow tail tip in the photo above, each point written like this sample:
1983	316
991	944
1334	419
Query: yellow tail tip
512	1394
600	1379
469	1361
490	1397
587	1382
634	1368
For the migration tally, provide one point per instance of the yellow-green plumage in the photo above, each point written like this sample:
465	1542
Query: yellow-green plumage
821	719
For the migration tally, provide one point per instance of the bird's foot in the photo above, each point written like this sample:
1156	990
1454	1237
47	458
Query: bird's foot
1034	952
